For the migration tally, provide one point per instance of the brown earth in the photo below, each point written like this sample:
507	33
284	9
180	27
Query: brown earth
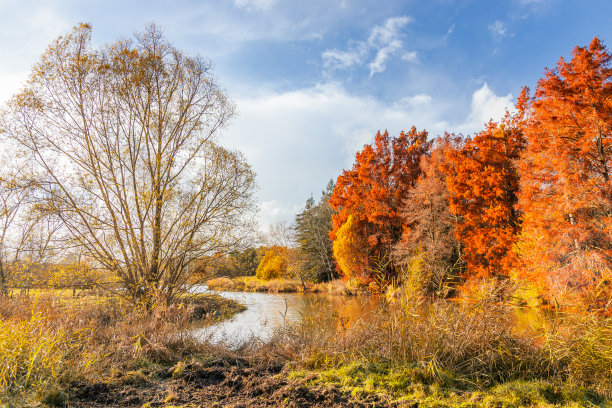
234	385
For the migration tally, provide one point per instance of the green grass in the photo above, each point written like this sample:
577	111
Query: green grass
442	389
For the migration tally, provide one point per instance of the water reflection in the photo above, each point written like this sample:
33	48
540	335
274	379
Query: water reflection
267	311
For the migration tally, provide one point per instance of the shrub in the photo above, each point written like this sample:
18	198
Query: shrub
273	265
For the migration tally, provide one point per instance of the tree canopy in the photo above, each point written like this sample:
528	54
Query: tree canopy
121	141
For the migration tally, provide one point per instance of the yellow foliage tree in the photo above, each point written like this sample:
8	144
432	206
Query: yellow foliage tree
75	276
273	265
350	250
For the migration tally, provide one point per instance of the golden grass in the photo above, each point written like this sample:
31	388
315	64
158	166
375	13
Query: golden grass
465	346
39	354
48	338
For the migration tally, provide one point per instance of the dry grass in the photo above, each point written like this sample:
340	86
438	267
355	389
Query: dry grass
48	340
473	345
253	284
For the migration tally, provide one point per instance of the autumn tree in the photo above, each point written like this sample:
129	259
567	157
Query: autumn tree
13	202
25	234
123	141
372	192
350	250
566	192
283	236
239	262
312	227
428	247
482	180
273	264
74	275
245	261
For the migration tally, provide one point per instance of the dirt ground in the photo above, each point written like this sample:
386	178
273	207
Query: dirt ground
235	385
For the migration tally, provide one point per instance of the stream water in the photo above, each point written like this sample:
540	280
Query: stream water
267	311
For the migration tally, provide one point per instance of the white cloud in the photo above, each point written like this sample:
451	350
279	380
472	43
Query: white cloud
411	56
385	40
498	28
298	140
273	212
389	31
254	4
337	59
417	100
378	65
486	105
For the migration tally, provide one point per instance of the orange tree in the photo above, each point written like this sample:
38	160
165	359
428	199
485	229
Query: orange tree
483	181
428	239
566	192
372	193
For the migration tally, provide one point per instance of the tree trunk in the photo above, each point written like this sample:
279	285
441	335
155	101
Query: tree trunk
3	289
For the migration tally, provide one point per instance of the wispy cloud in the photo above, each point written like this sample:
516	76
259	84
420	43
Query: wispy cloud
449	32
254	4
498	28
383	54
383	42
337	59
410	56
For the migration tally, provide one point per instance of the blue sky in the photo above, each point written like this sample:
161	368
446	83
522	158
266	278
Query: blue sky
314	80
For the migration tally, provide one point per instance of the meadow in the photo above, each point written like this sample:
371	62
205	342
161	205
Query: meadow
94	350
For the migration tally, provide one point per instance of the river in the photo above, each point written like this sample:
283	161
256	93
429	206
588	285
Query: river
267	311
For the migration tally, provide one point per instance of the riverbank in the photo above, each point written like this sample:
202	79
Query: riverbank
253	284
244	382
49	339
402	354
204	307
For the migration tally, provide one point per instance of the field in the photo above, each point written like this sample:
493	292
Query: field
90	352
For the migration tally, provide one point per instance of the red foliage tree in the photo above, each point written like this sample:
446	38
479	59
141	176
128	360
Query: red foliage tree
374	189
428	239
566	192
482	180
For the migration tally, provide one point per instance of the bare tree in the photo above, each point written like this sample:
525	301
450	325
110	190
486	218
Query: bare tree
123	139
13	198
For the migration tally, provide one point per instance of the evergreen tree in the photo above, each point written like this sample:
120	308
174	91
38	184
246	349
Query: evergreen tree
312	235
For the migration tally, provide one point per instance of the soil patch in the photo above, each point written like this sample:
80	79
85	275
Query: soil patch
233	385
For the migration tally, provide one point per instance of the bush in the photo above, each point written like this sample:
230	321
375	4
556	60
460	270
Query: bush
273	265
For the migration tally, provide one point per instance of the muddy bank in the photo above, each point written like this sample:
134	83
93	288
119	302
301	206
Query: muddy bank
210	308
236	385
